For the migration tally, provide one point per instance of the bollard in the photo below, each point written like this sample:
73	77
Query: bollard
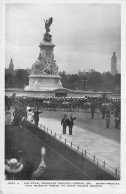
94	157
104	164
85	152
71	143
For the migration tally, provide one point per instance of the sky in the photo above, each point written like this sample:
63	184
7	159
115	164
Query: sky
85	35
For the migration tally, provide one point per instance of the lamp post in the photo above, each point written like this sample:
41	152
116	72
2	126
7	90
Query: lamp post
84	80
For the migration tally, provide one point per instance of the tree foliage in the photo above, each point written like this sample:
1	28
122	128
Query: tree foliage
16	80
95	81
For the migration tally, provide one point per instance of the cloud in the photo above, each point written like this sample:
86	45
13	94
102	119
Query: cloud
83	33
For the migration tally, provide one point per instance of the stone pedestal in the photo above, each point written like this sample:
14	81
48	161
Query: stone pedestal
43	83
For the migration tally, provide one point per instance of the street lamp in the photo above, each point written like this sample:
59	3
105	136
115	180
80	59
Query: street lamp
84	80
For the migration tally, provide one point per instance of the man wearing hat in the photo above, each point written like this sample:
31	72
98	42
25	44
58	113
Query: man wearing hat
36	115
64	123
108	116
71	123
92	110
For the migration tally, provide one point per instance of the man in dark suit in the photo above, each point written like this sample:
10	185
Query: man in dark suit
70	123
108	116
92	111
36	116
64	123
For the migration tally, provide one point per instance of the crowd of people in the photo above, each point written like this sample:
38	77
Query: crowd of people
21	113
22	106
18	169
61	102
29	108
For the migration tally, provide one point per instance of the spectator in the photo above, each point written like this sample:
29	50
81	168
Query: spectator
36	116
103	110
30	115
16	116
41	168
107	117
27	171
92	111
8	116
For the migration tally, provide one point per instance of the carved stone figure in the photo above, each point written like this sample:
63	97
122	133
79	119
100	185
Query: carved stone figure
47	37
51	68
38	66
48	24
45	70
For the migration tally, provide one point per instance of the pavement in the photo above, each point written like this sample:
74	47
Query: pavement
103	148
106	148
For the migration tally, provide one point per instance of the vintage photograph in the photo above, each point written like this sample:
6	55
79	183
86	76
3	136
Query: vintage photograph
62	91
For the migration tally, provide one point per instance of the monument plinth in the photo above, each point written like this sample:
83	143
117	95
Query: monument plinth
45	74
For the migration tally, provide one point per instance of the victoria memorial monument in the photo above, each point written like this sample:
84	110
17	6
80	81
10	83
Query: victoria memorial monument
44	74
44	79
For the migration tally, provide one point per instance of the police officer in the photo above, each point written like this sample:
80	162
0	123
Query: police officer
117	117
103	110
92	110
107	118
64	123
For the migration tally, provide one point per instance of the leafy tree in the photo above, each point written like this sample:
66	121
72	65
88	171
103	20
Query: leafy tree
21	78
95	80
9	78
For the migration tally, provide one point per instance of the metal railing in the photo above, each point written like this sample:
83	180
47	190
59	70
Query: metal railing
84	153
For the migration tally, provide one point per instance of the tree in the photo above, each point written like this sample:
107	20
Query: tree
21	78
9	79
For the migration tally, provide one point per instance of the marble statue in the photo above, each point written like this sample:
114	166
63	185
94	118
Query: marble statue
45	74
45	67
47	36
48	24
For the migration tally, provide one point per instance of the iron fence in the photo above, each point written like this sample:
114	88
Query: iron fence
75	154
102	164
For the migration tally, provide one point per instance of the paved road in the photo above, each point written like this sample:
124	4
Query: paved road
103	148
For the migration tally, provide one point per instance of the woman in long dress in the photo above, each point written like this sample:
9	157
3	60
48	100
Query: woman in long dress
8	116
30	116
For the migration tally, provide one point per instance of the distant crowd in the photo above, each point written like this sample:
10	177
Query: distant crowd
60	102
22	106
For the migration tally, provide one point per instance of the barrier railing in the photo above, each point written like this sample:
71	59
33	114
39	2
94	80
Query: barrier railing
102	164
77	160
